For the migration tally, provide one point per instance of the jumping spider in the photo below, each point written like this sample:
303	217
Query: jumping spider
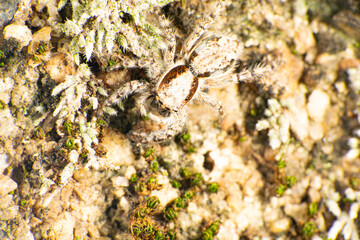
204	60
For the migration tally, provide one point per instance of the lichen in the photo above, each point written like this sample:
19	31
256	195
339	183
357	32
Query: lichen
97	26
277	124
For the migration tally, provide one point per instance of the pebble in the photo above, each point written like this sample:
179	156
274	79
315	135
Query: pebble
124	204
348	22
129	172
19	32
303	38
8	210
316	182
64	227
166	194
118	149
320	222
59	66
350	194
120	182
4	162
316	131
6	185
7	11
280	225
23	231
298	116
297	212
318	103
314	195
119	193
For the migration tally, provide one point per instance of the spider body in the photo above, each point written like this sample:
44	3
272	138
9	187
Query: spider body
204	60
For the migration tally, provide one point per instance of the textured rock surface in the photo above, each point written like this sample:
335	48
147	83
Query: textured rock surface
284	163
7	11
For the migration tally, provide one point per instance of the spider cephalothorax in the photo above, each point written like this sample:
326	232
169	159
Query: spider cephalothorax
204	60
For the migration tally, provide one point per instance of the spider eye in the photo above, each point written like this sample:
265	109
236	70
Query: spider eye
154	103
165	112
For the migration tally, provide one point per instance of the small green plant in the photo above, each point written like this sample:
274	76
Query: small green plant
171	235
70	143
281	164
39	133
186	137
213	187
111	63
175	183
140	213
101	123
185	173
23	202
149	152
197	179
313	209
308	229
133	178
290	181
42	48
154	165
355	183
170	214
68	127
153	202
280	189
140	187
2	105
152	183
181	203
189	194
211	231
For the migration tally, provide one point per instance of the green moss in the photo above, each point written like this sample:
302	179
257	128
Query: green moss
153	202
2	105
290	181
186	137
23	202
134	178
189	194
213	187
281	164
170	214
197	179
175	183
149	152
181	203
154	165
211	231
39	133
70	143
313	209
280	189
308	229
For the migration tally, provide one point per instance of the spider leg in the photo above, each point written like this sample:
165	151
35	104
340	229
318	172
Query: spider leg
201	29
126	90
169	34
218	82
254	74
206	99
149	131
